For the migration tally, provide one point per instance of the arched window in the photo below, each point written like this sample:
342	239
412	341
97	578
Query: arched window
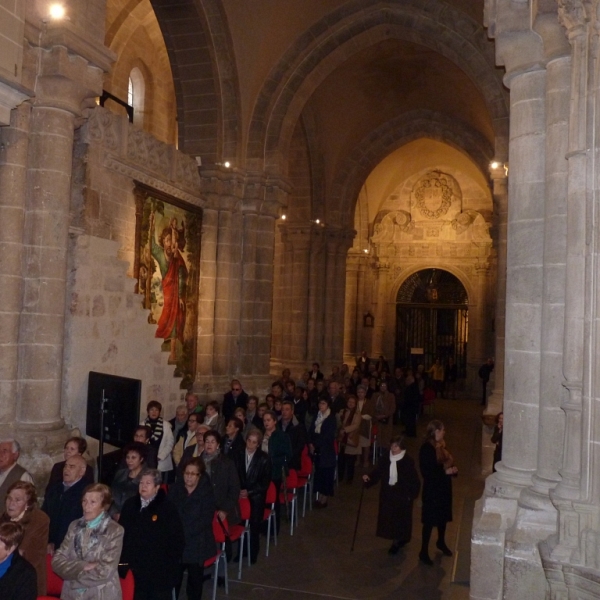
135	95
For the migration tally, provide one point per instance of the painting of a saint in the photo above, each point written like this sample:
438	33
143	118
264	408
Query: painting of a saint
167	259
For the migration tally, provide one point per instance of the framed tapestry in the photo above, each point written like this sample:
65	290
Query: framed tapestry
167	266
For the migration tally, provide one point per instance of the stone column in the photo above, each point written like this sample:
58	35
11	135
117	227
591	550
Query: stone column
478	327
351	303
580	289
14	143
316	296
383	270
551	423
345	242
64	82
504	554
206	303
228	293
263	301
500	194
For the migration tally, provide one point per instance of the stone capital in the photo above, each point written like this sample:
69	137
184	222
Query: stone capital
64	80
573	16
297	235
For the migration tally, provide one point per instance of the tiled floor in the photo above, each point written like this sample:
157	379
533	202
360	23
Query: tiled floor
317	563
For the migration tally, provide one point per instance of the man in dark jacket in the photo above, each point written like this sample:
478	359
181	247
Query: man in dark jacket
254	470
295	430
154	540
233	399
62	500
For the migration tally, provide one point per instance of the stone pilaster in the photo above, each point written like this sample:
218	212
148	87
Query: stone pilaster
351	303
500	194
383	270
14	144
64	82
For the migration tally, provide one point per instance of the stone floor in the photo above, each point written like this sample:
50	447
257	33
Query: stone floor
317	563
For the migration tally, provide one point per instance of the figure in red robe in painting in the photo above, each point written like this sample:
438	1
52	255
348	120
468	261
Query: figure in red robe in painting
171	323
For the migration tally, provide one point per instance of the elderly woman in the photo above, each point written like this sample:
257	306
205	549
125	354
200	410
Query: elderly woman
17	576
322	446
161	438
192	451
381	406
400	487
223	478
89	556
22	508
154	539
74	446
437	468
194	498
126	482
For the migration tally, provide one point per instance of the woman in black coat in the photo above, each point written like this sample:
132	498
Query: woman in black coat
254	470
153	540
437	469
399	489
18	579
195	501
322	436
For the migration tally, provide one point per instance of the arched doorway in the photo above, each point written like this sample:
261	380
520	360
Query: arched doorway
432	320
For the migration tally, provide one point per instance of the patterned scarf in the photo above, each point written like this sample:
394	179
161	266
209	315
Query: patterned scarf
320	418
208	458
157	430
89	535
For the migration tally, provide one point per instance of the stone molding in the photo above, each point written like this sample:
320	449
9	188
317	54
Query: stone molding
11	97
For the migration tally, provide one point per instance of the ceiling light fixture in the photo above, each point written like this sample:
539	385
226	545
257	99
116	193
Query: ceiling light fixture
57	12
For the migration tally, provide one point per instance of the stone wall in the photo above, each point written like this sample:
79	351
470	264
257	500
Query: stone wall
106	328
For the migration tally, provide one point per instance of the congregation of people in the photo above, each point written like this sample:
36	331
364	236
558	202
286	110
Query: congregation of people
178	479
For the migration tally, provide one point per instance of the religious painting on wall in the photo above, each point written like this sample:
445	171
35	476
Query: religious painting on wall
167	264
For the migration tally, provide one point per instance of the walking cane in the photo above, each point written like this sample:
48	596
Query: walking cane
362	491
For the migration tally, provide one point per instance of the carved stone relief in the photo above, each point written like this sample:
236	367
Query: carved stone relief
434	194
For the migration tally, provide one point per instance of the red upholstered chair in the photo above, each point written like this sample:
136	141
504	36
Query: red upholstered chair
127	586
242	532
269	514
54	583
218	558
305	478
220	527
291	484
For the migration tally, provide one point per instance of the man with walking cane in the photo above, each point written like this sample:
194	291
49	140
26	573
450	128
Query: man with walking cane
400	486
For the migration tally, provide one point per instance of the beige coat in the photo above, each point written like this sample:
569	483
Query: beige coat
100	545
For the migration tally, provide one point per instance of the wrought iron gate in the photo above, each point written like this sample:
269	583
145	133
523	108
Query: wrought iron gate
432	320
424	333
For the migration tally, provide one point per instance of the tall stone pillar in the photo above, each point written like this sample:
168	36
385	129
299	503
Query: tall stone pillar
500	194
316	295
14	143
504	555
551	420
228	293
351	303
206	303
257	288
479	326
64	81
383	270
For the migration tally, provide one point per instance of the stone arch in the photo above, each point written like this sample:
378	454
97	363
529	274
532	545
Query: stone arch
200	48
357	25
392	135
463	277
